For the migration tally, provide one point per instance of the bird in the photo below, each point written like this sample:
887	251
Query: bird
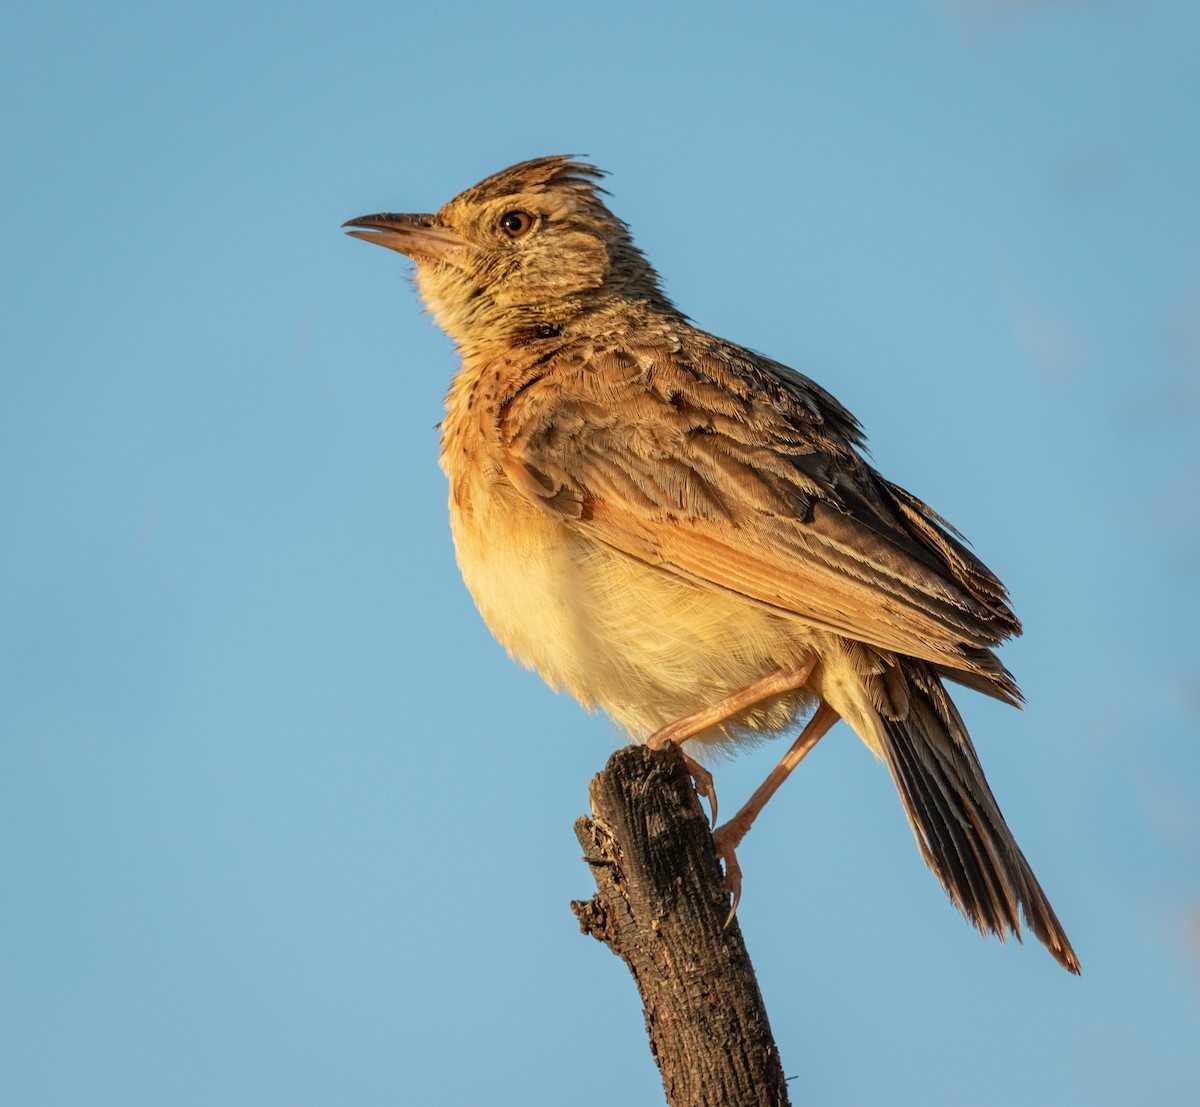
689	536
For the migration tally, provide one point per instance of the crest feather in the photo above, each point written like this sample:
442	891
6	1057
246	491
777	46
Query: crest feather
559	173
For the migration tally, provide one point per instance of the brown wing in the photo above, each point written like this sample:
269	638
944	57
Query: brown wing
704	460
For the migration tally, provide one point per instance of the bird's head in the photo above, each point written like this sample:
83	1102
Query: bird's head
530	251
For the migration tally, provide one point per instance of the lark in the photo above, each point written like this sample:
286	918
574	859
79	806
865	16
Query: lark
687	535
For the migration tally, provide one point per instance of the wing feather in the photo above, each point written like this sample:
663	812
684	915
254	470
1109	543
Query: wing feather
734	472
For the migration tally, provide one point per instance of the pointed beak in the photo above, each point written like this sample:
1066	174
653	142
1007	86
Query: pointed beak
418	236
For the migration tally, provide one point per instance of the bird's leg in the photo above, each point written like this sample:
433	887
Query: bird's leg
783	680
730	835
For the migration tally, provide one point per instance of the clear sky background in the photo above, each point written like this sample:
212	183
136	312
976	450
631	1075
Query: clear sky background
280	824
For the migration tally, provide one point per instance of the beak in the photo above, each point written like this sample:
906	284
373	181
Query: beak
418	236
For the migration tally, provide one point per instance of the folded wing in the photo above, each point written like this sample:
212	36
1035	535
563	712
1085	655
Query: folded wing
721	467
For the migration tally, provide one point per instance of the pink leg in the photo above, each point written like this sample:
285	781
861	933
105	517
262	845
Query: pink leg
784	680
730	835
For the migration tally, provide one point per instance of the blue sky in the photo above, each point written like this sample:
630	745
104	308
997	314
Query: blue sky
281	824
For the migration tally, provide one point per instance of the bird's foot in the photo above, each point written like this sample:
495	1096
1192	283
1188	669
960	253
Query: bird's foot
703	781
701	777
726	838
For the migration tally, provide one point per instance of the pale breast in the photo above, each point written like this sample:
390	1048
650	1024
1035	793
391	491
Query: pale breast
645	646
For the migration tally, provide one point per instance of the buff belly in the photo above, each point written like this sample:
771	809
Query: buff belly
645	646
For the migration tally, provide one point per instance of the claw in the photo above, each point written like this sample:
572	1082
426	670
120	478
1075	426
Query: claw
733	871
703	781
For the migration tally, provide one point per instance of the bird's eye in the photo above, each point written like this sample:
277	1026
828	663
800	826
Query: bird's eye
516	223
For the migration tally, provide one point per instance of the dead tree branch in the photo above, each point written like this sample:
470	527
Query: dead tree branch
661	906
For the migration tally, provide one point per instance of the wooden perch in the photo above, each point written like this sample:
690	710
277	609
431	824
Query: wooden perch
661	906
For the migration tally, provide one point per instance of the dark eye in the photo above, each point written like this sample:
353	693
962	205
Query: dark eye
516	223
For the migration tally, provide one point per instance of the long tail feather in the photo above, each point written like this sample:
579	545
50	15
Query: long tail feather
958	825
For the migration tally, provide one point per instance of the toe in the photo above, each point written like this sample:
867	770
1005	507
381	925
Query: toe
704	785
733	872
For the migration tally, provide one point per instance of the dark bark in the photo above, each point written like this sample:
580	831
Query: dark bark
661	907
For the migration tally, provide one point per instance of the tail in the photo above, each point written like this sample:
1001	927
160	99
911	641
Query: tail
958	825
